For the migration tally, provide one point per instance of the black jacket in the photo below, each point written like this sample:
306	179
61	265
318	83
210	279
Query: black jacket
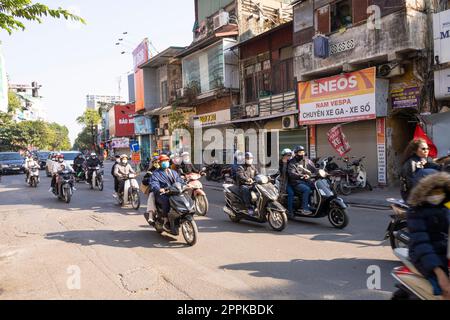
283	171
245	172
93	162
408	170
298	169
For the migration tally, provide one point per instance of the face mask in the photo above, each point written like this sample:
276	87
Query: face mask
156	166
124	161
61	160
165	165
300	157
436	199
249	162
186	160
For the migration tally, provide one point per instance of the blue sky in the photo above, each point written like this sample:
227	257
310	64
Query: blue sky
71	61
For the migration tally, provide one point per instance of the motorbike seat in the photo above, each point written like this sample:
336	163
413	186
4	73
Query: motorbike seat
235	189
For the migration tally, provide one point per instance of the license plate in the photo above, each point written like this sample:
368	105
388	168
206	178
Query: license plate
16	168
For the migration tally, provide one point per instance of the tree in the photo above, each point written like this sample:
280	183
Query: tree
13	102
90	120
83	140
13	12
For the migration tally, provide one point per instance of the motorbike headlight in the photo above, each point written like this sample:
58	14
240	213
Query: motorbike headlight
322	173
131	176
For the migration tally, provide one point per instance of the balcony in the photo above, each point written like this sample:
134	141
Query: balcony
401	32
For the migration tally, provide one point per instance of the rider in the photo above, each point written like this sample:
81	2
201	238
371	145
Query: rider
239	158
151	206
30	162
121	171
78	163
116	181
299	171
92	162
244	176
163	178
186	167
286	156
58	166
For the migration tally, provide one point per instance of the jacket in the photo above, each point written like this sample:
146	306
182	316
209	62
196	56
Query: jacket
428	226
161	179
245	172
121	171
298	170
283	171
93	162
113	168
30	163
57	167
408	170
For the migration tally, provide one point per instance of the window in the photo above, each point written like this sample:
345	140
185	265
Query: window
341	15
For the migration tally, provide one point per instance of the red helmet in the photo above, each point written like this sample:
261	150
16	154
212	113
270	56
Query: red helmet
164	158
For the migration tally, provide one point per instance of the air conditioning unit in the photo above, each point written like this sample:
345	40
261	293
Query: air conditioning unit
221	19
289	122
390	70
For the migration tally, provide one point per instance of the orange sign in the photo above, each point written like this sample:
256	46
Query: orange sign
136	157
341	98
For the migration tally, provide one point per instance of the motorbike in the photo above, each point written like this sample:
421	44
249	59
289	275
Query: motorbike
130	193
97	178
181	205
197	193
323	201
33	177
264	196
354	177
397	231
64	186
80	173
411	283
334	174
217	172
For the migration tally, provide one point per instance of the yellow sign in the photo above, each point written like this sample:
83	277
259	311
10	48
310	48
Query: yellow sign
208	118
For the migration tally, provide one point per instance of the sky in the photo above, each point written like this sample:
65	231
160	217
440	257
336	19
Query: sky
71	60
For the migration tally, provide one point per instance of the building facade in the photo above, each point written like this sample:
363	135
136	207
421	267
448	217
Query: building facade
32	105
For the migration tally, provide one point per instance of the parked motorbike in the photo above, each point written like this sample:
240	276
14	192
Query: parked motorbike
323	201
411	284
97	178
181	205
64	186
334	174
397	231
130	193
33	178
197	193
355	177
264	196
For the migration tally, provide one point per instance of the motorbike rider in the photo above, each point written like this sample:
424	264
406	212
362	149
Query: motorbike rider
121	171
92	162
299	170
285	187
30	162
116	181
151	205
239	159
244	176
78	164
163	178
186	167
58	166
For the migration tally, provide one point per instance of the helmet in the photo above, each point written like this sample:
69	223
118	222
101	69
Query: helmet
299	148
286	152
93	154
163	158
248	155
185	154
117	156
123	156
155	159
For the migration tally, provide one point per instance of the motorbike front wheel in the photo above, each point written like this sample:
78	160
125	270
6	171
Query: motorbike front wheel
201	205
338	217
135	199
277	220
67	195
190	232
100	184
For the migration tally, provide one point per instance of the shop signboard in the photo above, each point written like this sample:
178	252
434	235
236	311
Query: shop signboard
312	142
441	36
405	98
342	98
381	150
143	126
213	118
124	120
120	143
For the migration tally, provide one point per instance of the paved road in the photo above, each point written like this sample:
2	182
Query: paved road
46	246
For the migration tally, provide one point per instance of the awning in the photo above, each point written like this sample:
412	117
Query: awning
159	111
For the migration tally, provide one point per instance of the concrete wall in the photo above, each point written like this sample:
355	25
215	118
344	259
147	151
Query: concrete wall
151	88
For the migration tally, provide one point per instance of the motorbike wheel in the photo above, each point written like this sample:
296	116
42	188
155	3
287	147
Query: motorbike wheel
100	184
402	294
338	217
235	219
201	205
344	188
67	196
395	243
190	232
368	186
34	183
277	220
135	199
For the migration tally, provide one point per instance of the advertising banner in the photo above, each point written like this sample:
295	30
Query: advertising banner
441	36
119	143
405	98
124	119
143	126
140	56
312	142
338	140
381	150
342	98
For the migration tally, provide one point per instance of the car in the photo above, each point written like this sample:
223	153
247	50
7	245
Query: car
69	156
11	162
42	158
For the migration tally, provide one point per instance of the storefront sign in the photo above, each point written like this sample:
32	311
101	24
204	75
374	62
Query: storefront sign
140	56
119	143
342	98
143	126
405	98
442	84
136	157
312	142
214	118
338	140
124	119
381	150
441	32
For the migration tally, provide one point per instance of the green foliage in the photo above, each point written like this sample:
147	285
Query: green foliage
89	118
84	140
13	102
14	12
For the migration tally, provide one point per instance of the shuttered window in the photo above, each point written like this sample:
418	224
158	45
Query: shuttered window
323	20
360	10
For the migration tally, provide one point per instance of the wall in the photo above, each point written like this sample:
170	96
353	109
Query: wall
131	92
208	7
214	105
151	88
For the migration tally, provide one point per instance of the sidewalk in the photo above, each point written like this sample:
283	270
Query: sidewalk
375	198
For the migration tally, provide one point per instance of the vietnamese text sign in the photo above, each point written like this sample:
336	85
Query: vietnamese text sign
342	98
312	142
338	140
441	36
405	98
118	143
381	150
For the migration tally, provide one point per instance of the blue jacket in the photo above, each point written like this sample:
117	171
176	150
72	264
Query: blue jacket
163	179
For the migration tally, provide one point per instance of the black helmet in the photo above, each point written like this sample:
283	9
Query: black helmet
248	155
299	148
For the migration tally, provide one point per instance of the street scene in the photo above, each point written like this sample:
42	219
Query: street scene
225	150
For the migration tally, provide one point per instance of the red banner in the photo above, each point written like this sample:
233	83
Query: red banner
420	134
124	119
338	141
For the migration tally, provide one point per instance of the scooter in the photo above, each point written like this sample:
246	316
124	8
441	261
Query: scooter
33	177
197	193
80	173
182	207
323	202
355	177
397	231
411	284
64	186
130	192
97	178
264	196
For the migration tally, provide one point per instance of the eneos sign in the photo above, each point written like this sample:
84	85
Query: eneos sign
347	97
